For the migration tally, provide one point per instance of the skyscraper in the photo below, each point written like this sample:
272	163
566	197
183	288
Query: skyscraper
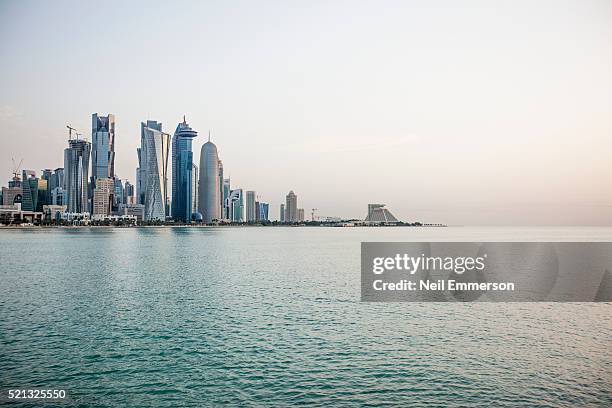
76	174
236	205
152	170
182	172
209	202
29	184
226	192
128	193
282	213
262	211
251	215
291	210
102	146
221	203
194	188
102	199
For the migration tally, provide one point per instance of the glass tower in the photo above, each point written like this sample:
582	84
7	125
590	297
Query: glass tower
182	172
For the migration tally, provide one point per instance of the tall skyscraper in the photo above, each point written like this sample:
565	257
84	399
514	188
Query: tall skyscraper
102	146
195	177
291	210
128	193
209	202
29	184
182	172
251	215
236	205
152	170
262	211
76	174
226	193
300	215
221	188
282	213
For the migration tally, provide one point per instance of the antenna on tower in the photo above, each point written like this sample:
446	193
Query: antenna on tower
209	135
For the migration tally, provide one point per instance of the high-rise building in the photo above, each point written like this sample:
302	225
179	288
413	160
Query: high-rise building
251	214
128	193
103	196
282	213
152	170
194	188
236	206
29	185
300	215
76	174
291	210
221	201
182	172
209	202
226	193
102	146
117	193
262	211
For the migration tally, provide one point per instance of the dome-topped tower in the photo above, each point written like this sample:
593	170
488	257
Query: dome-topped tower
209	201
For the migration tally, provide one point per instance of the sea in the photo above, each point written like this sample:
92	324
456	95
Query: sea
271	316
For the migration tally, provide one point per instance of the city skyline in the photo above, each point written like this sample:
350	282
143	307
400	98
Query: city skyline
418	111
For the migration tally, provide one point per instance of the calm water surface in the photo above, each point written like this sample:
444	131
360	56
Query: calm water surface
271	316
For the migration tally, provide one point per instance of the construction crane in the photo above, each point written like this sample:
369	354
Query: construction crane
313	213
16	167
70	129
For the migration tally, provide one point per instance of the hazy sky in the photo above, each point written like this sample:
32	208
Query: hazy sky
473	112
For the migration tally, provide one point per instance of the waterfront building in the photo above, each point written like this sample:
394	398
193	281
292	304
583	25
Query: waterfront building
53	212
262	211
102	146
47	175
128	193
194	188
152	170
103	197
57	196
250	206
291	210
182	172
76	174
29	185
12	195
221	201
282	213
209	201
300	215
226	193
378	214
236	206
117	193
136	210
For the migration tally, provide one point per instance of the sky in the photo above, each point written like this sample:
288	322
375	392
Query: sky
455	112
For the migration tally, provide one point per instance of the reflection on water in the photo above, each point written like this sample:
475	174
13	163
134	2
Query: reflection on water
271	316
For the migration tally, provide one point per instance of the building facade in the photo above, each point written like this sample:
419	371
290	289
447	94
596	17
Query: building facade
251	214
182	172
76	175
209	201
236	205
103	197
152	170
291	210
282	213
102	146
